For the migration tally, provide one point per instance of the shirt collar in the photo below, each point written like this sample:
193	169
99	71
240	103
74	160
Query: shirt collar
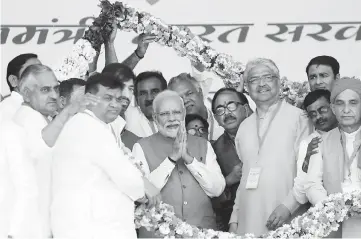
15	95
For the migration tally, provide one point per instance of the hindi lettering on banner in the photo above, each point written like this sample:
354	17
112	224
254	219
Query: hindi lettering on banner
322	31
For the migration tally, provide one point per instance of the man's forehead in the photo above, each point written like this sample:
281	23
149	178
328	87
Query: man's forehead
348	94
260	70
150	83
320	102
320	69
226	97
46	78
184	86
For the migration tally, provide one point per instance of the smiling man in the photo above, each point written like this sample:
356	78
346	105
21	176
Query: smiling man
190	91
322	72
267	143
182	166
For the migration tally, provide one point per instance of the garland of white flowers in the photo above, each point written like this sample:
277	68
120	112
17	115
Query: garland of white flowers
319	221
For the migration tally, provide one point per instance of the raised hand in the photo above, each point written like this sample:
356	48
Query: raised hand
311	150
177	146
143	43
113	34
81	101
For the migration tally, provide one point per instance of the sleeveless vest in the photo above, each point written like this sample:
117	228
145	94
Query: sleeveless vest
182	190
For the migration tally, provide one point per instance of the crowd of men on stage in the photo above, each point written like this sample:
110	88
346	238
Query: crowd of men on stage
247	164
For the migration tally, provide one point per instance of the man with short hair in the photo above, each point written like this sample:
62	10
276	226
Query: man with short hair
230	108
39	88
92	174
66	90
125	75
147	86
264	199
318	108
16	66
322	72
339	154
182	166
190	91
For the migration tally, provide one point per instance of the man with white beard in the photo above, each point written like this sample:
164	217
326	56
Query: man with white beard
182	166
94	182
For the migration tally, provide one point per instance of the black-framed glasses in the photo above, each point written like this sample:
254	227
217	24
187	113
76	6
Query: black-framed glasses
201	130
322	110
231	106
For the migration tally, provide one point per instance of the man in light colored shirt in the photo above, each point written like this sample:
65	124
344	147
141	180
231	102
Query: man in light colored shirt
94	182
140	119
267	143
39	88
317	106
339	151
191	92
16	66
322	72
182	166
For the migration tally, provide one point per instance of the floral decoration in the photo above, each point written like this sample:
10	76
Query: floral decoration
319	221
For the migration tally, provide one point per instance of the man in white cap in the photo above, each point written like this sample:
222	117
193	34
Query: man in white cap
339	152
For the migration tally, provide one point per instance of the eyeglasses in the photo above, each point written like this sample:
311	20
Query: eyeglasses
257	80
321	110
231	106
201	130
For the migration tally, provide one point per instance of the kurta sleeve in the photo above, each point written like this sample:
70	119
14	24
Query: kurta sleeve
208	175
235	212
204	79
314	189
121	171
159	176
302	131
34	137
298	187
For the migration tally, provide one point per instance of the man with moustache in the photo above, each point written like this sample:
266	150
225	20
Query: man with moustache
230	108
94	182
322	72
190	91
182	166
39	88
125	75
264	199
147	86
318	108
339	154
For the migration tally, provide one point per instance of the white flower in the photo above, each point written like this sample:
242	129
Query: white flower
164	229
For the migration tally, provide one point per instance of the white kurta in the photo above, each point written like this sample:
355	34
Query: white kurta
314	165
10	105
39	154
94	183
19	215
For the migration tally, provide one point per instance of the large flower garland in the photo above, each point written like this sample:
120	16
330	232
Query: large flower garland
319	221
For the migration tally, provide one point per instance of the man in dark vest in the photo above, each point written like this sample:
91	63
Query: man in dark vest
230	108
182	166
